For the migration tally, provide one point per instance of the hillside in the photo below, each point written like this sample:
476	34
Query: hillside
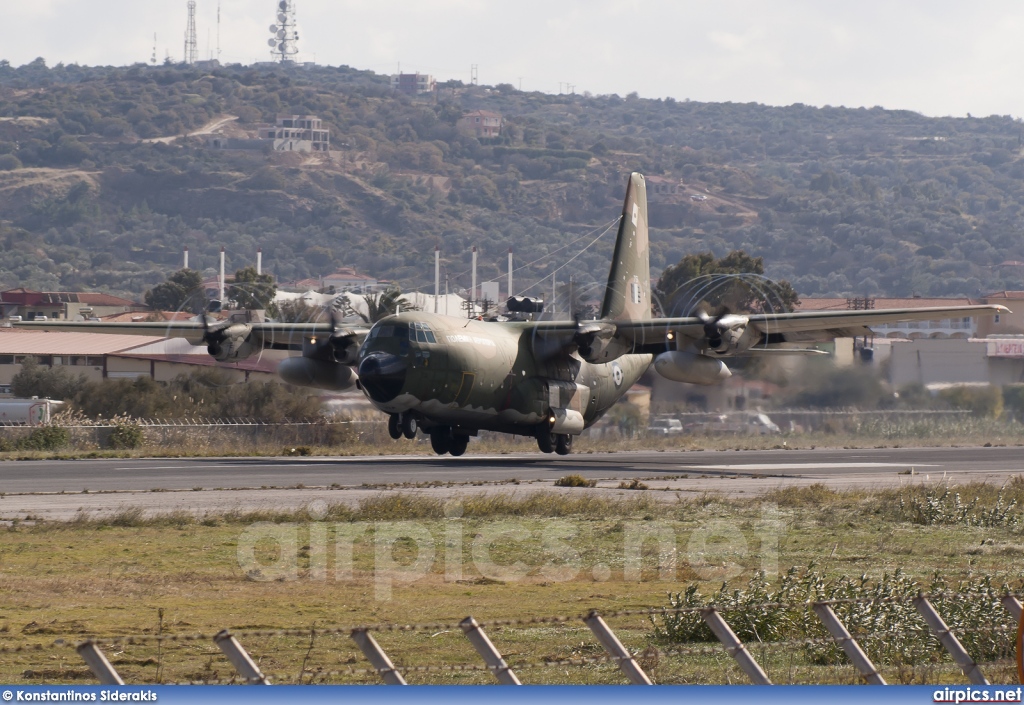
100	190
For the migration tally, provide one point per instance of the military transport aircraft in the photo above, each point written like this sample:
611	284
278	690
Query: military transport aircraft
450	377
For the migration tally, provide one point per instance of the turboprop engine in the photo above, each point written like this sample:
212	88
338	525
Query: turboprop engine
727	334
692	368
230	343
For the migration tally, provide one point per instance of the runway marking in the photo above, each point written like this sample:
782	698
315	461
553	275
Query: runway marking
806	466
205	467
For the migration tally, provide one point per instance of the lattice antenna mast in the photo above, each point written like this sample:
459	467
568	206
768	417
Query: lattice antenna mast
190	34
283	43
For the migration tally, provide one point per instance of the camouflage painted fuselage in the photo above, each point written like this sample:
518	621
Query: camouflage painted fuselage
477	375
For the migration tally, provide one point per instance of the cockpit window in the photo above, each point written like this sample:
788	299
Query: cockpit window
421	333
388	332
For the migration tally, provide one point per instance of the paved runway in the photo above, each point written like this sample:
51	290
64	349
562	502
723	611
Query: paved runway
61	488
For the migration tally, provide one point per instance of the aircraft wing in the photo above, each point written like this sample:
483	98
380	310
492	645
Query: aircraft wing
279	336
801	326
761	329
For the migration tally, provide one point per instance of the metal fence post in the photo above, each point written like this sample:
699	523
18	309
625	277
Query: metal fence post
376	656
238	657
614	647
848	643
475	633
952	644
1012	605
734	646
98	663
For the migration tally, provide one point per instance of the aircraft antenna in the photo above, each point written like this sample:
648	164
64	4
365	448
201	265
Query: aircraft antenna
190	34
284	37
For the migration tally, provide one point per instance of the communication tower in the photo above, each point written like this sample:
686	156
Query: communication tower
284	38
190	34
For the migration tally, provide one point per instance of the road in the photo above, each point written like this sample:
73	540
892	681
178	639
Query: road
207	129
59	489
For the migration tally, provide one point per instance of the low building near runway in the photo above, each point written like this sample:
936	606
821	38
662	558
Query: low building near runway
99	356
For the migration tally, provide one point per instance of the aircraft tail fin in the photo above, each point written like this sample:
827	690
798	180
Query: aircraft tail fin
628	296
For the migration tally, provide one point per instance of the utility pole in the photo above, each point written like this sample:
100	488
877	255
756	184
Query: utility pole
437	274
554	293
222	276
472	291
511	290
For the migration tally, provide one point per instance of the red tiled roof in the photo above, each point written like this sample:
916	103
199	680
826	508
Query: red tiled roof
839	304
62	297
1006	295
252	364
135	316
34	342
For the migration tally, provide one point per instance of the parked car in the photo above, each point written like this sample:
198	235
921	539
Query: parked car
664	427
752	423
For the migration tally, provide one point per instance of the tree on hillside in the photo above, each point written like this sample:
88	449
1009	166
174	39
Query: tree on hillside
181	288
735	282
251	290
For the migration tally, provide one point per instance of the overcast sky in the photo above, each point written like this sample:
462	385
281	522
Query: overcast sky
938	57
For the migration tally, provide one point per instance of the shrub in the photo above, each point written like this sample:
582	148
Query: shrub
126	434
878	613
575	481
47	437
983	401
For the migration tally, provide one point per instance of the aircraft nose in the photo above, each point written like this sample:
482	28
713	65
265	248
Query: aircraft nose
382	375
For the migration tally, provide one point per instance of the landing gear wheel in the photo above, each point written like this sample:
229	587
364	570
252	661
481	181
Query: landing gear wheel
441	440
394	426
546	442
563	444
458	445
409	426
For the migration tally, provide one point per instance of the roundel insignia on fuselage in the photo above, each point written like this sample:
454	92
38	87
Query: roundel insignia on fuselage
617	374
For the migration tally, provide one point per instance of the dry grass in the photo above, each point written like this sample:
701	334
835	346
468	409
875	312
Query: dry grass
108	576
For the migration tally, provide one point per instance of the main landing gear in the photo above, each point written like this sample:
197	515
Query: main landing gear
560	443
442	439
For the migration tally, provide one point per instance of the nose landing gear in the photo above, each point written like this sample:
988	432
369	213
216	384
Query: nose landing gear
402	425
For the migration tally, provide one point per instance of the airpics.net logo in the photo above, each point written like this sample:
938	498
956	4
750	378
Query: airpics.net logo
400	553
977	695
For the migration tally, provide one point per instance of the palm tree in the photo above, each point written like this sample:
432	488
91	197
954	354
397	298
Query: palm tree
386	303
